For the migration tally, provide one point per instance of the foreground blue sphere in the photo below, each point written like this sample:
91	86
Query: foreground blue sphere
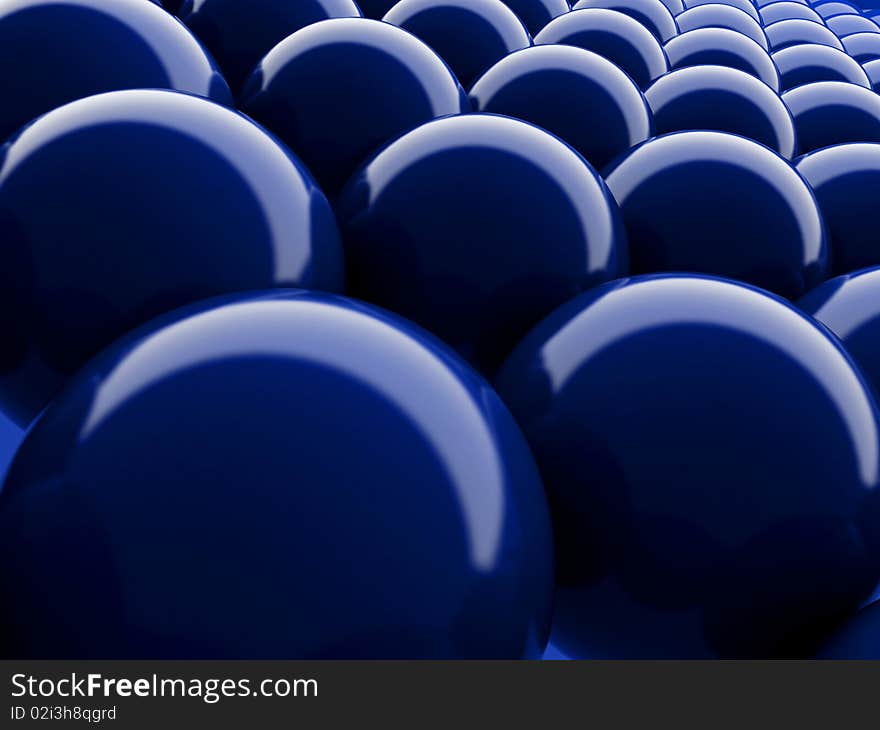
470	35
711	461
577	95
717	203
718	15
477	227
863	47
653	14
833	112
338	90
849	306
722	47
809	63
613	35
56	51
722	99
240	33
857	639
535	14
845	179
796	31
297	475
116	208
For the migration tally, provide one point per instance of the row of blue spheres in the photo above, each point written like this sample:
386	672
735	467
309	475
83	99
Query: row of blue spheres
416	372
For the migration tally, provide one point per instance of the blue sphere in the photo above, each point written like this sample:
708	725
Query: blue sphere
338	90
833	112
863	47
722	99
796	31
57	51
764	3
240	33
844	25
535	14
844	178
788	10
476	227
722	47
614	35
297	475
872	69
717	15
653	14
809	63
746	6
116	208
710	457
849	305
857	639
716	203
470	35
577	95
830	9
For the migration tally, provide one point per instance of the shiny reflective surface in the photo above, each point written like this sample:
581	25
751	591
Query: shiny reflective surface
722	99
614	35
872	68
788	10
535	14
716	15
252	463
722	47
845	179
830	9
849	306
844	25
745	5
577	95
863	47
119	207
857	639
470	35
833	112
716	203
338	90
476	227
56	51
794	32
239	33
810	63
653	14
721	502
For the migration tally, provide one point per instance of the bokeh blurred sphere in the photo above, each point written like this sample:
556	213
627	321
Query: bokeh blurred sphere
57	51
476	227
710	457
337	91
237	480
577	95
833	112
116	208
717	203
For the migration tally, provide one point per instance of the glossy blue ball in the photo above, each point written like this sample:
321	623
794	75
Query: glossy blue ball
796	31
56	51
764	3
830	9
746	6
478	258
535	14
722	47
470	35
809	63
845	179
337	91
849	306
614	35
716	203
116	208
833	112
711	461
857	639
872	69
863	47
240	33
577	95
717	15
722	99
297	475
653	14
844	25
788	10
